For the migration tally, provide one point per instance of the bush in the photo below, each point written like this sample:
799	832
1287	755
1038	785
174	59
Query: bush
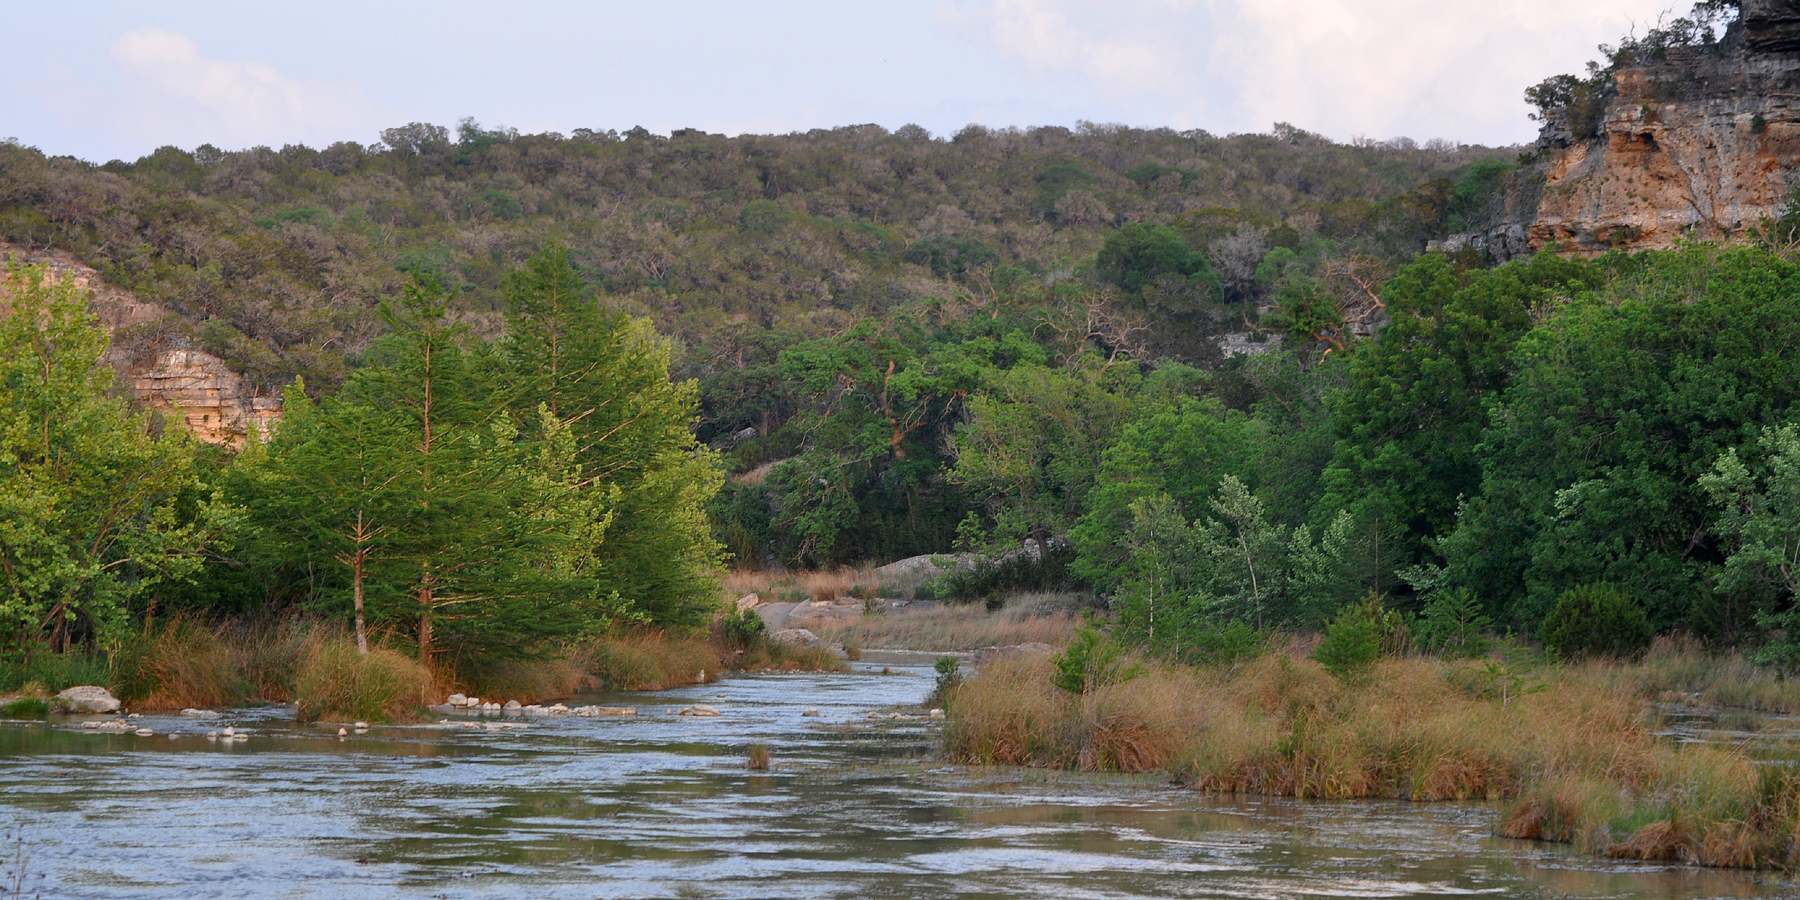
949	675
1351	646
1092	660
741	630
1597	620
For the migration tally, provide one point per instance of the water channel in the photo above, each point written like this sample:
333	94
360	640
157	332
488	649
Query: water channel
663	806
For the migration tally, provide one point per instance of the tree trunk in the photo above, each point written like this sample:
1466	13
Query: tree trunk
425	624
356	581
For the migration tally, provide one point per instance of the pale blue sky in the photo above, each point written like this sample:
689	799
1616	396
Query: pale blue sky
102	80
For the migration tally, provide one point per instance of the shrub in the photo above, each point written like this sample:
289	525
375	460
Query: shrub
1351	646
1597	620
741	630
949	675
1091	661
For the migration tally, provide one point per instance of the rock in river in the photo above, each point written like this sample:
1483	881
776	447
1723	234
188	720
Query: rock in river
88	698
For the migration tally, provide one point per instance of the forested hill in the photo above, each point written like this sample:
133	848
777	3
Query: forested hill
275	259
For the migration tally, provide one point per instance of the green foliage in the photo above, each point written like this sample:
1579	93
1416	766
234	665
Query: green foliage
95	512
742	629
1092	660
1454	625
1351	646
1758	521
1596	620
25	708
1620	402
949	675
1513	675
1137	254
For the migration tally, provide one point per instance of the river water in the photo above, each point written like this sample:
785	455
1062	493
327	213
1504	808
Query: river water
663	806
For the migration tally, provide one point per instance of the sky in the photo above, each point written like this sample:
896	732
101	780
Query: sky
115	80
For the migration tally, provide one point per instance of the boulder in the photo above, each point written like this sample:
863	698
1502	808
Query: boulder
513	706
87	698
748	602
697	710
201	713
615	710
795	637
812	712
457	700
937	714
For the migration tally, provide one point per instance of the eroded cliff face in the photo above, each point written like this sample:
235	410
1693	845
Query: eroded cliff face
192	387
1705	144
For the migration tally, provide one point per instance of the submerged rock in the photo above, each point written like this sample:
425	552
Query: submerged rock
697	710
87	698
201	713
812	712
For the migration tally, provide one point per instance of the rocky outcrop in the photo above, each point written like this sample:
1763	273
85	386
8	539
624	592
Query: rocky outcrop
211	400
1705	143
194	388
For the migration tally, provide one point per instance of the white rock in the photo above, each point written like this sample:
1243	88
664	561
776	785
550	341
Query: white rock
144	732
201	713
812	712
937	714
362	725
748	602
795	637
457	700
615	711
697	710
514	705
88	698
342	732
229	731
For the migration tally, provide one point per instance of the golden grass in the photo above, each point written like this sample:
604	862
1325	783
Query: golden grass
337	682
1578	761
793	586
649	661
1028	619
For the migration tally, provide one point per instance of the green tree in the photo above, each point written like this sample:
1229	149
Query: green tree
602	379
95	511
1758	506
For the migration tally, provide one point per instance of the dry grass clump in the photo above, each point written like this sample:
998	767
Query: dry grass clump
1578	760
648	661
1677	669
335	681
794	586
183	663
960	627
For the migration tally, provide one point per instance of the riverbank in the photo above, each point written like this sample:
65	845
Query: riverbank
183	664
1572	753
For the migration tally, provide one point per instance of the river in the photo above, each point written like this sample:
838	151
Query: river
662	806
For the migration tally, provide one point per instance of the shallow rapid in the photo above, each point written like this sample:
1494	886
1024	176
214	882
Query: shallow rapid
662	806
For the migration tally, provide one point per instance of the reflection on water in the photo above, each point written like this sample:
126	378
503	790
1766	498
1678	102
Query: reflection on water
661	806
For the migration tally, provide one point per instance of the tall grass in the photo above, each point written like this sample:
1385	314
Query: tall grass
1036	618
795	586
335	681
1578	761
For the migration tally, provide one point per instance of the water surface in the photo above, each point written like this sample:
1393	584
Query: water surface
662	806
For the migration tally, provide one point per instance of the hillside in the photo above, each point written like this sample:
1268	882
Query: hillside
273	260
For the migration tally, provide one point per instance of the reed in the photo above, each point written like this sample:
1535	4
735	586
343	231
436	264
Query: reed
1574	758
758	759
335	681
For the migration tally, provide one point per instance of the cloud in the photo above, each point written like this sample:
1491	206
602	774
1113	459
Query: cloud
1343	67
174	94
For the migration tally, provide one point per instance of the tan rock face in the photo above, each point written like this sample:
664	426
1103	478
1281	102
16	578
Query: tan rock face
1704	145
1705	150
209	398
192	387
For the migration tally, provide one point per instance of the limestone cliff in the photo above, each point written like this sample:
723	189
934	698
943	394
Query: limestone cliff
194	387
1704	143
